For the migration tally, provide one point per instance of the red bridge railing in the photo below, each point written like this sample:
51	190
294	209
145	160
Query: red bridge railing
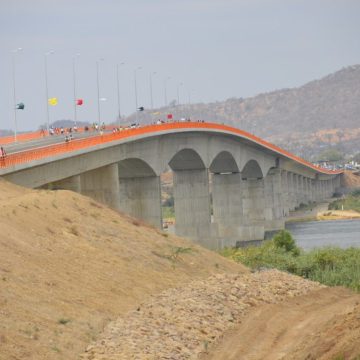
78	144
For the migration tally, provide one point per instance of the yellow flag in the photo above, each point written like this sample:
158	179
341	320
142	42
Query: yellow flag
53	101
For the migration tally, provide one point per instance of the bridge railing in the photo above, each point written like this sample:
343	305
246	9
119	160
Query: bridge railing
5	140
78	144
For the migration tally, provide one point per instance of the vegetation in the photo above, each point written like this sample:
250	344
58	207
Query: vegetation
331	154
330	265
351	202
168	212
63	321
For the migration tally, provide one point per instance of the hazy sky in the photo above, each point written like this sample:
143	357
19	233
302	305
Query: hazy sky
217	48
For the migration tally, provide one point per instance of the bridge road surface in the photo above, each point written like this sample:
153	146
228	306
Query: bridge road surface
47	141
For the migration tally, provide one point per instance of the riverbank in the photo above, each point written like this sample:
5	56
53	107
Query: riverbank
332	266
320	211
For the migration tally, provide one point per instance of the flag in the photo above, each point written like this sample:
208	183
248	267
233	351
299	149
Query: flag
79	102
103	99
53	101
141	108
20	106
169	116
156	113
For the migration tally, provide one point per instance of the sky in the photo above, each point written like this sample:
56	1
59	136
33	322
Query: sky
203	50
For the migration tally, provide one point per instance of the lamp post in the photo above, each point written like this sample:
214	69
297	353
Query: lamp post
165	89
136	97
178	92
151	88
74	83
46	89
118	90
14	84
98	89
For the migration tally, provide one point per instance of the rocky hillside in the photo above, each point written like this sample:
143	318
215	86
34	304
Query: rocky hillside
287	117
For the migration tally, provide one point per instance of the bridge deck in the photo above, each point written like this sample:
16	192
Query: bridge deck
37	153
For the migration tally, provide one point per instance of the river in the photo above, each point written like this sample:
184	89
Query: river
312	234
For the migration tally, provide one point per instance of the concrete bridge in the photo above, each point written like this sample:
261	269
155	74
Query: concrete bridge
253	184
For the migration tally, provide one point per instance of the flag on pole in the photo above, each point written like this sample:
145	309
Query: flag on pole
53	101
79	102
20	106
169	116
103	99
141	108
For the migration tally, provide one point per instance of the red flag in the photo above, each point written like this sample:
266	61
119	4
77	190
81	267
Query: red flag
169	116
79	101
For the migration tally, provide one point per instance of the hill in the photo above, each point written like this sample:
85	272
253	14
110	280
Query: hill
304	120
70	265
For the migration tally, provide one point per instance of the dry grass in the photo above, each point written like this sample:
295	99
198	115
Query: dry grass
89	270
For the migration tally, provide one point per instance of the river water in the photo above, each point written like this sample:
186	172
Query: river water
312	234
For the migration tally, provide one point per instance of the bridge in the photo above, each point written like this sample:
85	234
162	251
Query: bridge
229	186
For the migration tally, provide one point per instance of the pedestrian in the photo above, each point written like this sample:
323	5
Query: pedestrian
2	152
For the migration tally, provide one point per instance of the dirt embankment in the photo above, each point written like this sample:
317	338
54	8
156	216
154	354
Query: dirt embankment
324	324
350	180
70	265
183	323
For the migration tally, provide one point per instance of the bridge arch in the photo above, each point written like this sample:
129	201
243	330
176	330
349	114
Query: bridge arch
186	159
252	170
224	162
135	168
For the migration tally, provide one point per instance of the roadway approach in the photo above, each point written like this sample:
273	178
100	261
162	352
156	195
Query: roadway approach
230	186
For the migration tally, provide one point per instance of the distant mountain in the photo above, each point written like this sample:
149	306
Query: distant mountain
304	120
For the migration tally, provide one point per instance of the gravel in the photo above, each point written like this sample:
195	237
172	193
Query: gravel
182	323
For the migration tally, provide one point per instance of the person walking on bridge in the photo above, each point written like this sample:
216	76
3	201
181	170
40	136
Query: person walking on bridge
2	155
2	152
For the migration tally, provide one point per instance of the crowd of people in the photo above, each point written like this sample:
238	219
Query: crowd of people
68	132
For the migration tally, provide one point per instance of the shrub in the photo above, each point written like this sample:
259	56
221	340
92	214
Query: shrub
330	265
283	239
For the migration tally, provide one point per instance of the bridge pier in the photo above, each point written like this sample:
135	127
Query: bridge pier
140	197
308	191
273	212
227	208
192	206
102	185
293	197
285	193
253	209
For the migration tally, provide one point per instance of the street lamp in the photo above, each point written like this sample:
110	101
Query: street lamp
118	90
165	90
178	91
46	89
151	88
14	52
98	89
74	83
136	97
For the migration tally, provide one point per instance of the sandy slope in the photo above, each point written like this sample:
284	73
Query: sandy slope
324	324
70	265
350	180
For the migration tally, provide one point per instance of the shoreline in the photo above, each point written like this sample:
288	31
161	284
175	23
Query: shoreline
320	212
